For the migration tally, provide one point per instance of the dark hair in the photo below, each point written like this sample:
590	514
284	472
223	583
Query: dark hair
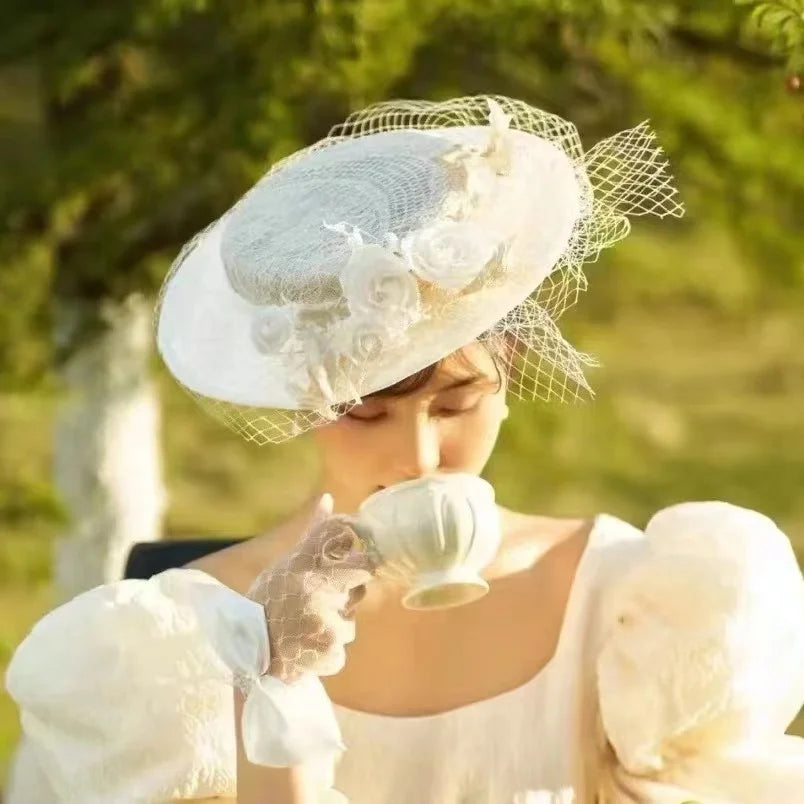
419	379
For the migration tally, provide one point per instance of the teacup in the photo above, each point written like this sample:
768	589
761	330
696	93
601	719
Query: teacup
434	535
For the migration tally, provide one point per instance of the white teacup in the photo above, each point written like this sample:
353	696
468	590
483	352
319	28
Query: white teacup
435	535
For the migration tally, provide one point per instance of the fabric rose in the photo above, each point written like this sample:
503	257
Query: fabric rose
272	329
368	339
361	339
377	283
450	254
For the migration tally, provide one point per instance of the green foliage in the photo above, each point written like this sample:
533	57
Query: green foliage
152	117
782	22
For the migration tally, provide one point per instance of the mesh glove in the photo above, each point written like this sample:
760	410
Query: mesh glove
309	595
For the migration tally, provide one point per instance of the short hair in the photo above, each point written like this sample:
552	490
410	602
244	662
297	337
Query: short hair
417	380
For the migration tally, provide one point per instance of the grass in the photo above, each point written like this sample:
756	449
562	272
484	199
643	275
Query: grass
691	404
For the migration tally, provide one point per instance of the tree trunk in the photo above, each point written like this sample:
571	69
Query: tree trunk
107	453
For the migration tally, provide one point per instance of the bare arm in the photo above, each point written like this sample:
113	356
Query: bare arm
258	784
238	565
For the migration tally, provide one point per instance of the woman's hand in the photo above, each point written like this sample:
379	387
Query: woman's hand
309	596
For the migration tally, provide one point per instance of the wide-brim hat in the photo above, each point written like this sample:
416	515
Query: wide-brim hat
411	230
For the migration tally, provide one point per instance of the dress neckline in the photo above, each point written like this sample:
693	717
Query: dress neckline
570	613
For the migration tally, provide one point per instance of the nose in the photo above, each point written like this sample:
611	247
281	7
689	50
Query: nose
416	451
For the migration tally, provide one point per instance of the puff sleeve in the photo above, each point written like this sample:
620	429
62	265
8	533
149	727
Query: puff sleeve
701	665
125	694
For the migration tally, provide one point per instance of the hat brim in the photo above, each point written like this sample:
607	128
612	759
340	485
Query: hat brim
204	327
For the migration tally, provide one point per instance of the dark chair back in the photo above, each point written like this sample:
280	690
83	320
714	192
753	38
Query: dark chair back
149	558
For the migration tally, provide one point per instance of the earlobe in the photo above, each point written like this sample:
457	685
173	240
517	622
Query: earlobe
505	411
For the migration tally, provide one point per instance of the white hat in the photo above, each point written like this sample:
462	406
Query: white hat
411	230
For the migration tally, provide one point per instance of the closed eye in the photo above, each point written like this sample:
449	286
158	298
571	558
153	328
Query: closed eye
447	412
366	418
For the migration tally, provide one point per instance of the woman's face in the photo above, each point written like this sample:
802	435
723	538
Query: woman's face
450	424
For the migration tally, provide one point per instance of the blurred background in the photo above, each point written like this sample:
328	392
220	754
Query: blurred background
126	127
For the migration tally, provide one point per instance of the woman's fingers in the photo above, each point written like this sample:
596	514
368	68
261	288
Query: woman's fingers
338	544
354	570
336	610
313	592
323	528
331	632
322	510
356	594
331	545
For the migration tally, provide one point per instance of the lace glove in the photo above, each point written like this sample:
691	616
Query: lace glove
308	596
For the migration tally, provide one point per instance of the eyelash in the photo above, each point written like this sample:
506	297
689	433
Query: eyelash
450	412
446	413
365	418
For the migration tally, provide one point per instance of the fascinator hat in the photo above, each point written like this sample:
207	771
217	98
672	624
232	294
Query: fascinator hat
412	229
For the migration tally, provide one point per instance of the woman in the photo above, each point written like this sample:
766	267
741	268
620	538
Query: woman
386	289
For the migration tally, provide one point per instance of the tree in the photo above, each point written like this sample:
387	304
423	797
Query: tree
137	123
782	22
156	115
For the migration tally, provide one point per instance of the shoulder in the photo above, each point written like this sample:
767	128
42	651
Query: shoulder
550	547
237	566
542	533
701	635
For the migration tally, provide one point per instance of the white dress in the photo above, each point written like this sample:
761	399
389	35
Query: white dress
680	664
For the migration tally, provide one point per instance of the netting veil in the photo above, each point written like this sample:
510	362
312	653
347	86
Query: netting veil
412	229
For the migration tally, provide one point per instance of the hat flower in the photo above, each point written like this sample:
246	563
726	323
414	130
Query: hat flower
273	329
449	254
377	283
